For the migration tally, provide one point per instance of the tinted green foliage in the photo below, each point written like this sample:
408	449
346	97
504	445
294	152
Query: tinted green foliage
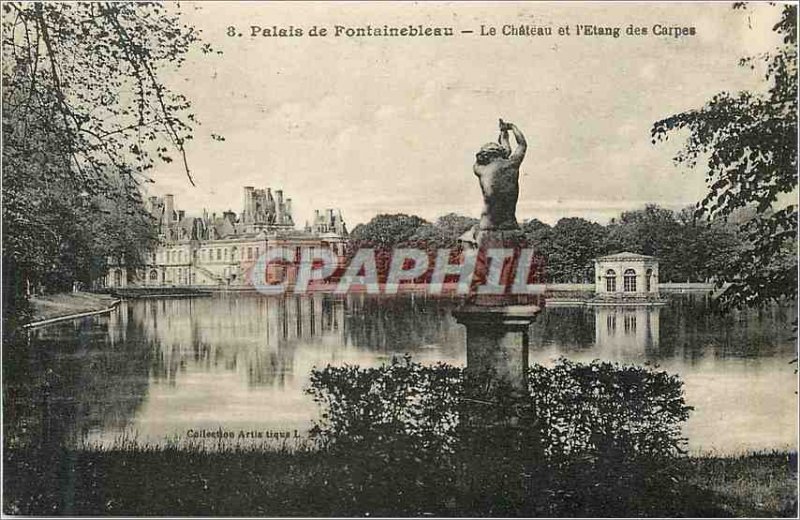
748	141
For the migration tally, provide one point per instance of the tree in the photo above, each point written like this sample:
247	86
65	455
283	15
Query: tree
749	143
535	230
443	233
570	247
654	231
89	72
386	230
85	118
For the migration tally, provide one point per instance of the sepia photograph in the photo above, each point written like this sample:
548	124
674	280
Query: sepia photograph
399	259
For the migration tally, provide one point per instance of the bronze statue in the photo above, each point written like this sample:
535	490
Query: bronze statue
497	168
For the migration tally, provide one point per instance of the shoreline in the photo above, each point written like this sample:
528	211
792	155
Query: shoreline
69	306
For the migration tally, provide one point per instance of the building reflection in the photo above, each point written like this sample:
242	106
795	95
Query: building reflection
256	336
259	337
627	329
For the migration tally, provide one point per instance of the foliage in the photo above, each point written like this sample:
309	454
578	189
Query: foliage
90	72
385	230
570	247
688	250
579	408
422	428
749	143
157	481
85	116
443	233
601	407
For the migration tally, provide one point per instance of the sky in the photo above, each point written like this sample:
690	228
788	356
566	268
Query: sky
387	125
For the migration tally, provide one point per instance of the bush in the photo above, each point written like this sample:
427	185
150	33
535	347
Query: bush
441	437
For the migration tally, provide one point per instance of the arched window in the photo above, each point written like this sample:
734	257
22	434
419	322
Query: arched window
647	280
629	280
153	275
611	281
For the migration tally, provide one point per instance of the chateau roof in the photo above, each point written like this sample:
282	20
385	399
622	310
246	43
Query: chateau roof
625	255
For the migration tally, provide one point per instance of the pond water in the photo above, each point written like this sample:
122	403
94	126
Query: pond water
167	370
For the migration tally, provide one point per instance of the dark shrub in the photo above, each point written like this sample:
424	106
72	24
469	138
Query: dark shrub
444	439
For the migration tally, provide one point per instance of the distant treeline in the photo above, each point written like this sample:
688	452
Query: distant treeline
689	250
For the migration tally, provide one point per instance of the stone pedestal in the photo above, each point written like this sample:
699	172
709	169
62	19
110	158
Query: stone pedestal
498	338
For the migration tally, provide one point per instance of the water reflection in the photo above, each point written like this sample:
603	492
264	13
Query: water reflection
627	328
157	368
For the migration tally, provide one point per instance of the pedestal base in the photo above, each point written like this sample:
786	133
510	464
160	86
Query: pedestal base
498	338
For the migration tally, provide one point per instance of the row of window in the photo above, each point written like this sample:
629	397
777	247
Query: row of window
208	255
219	254
179	275
628	280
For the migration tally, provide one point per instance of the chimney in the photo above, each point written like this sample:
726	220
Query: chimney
289	208
181	214
169	208
329	215
279	206
247	210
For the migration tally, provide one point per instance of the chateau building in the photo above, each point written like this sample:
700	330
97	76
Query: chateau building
625	274
219	250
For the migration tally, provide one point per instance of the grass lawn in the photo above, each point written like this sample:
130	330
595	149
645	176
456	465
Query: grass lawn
244	482
761	484
65	304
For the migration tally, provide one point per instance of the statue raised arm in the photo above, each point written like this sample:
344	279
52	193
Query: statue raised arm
497	168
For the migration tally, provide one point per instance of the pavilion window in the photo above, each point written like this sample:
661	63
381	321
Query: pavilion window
611	281
629	280
647	280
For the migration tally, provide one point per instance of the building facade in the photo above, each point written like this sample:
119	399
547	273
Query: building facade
220	250
626	274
